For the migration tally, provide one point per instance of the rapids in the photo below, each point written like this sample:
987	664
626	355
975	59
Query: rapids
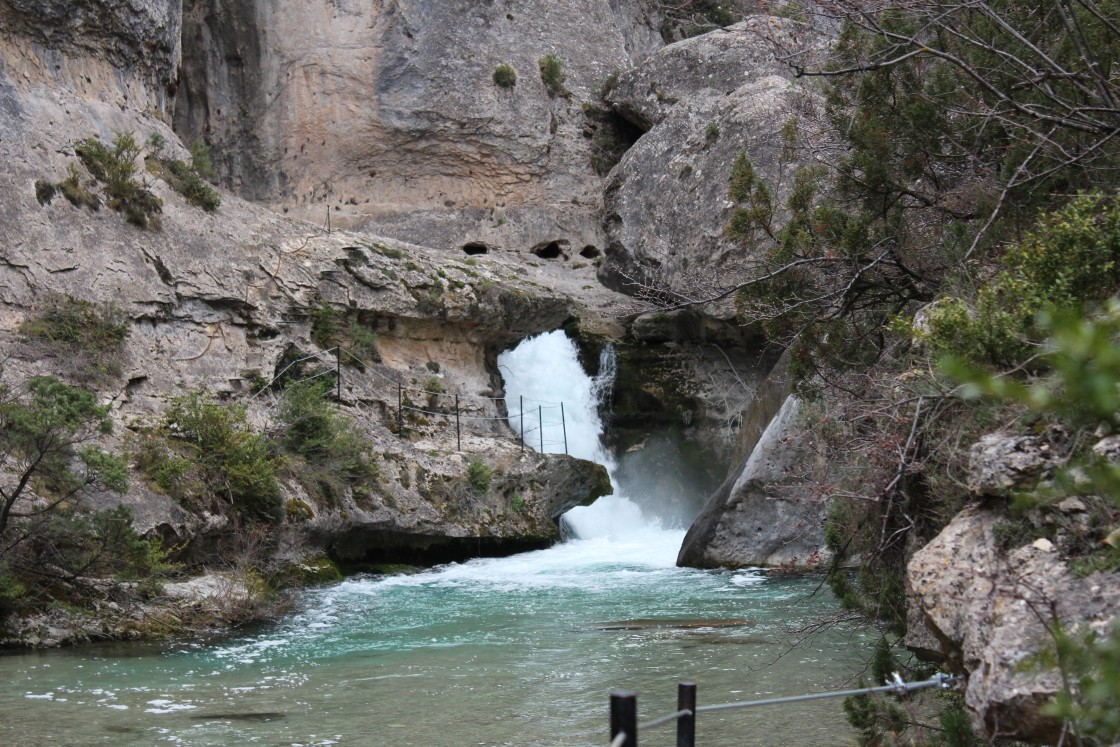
519	651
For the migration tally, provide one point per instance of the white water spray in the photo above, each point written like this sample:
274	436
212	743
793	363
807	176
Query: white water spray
544	371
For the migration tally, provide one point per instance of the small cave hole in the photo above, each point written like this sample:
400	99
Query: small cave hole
590	252
473	248
548	249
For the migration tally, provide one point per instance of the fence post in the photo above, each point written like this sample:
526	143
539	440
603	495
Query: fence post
686	725
328	220
458	431
400	411
624	717
521	398
338	373
564	425
540	424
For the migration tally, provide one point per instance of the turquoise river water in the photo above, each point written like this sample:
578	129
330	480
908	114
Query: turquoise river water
520	652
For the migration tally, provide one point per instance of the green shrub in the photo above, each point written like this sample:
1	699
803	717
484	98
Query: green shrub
1071	259
205	455
188	179
505	76
88	338
116	168
712	133
331	456
77	195
479	474
552	74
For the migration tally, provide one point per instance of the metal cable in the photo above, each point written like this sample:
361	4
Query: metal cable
619	740
664	720
897	686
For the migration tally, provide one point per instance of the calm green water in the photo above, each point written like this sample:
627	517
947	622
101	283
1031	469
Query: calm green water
491	652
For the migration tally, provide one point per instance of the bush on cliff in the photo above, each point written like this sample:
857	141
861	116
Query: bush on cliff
115	167
204	454
86	339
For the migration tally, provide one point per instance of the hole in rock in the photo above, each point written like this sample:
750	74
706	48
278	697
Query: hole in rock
476	247
549	249
590	252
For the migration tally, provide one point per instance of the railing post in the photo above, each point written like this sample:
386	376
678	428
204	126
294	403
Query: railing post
338	373
686	725
564	425
540	424
458	431
624	716
400	411
521	399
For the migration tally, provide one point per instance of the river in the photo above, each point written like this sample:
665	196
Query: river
519	651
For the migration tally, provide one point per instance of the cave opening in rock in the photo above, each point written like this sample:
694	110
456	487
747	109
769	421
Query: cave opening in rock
590	252
473	248
549	249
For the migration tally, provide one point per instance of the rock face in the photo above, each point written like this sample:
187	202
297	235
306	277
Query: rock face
220	299
761	515
387	113
991	613
125	52
1000	463
666	202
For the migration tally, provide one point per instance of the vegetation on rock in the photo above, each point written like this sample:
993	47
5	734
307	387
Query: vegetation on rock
552	74
86	339
505	76
116	168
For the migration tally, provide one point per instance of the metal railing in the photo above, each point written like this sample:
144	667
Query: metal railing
529	425
624	707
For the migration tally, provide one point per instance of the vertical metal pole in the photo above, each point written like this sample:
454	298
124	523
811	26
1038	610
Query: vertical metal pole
522	398
458	432
686	725
400	411
540	424
564	425
624	717
338	372
328	220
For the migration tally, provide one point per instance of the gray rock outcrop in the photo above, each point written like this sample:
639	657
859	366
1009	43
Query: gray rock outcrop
218	299
761	515
666	202
991	613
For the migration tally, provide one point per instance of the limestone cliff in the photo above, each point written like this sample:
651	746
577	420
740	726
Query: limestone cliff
387	113
222	299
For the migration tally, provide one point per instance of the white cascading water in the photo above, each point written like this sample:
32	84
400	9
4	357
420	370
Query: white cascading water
544	371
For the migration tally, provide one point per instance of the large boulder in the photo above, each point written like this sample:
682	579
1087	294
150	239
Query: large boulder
666	203
761	515
993	615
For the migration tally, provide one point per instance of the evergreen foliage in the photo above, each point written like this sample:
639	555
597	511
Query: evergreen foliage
505	76
48	462
552	74
205	454
116	169
86	338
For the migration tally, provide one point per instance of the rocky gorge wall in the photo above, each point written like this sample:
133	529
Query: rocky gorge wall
223	299
387	113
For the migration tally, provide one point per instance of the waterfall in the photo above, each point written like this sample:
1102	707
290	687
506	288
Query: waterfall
544	371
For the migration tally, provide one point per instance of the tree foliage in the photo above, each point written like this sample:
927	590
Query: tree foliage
48	464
